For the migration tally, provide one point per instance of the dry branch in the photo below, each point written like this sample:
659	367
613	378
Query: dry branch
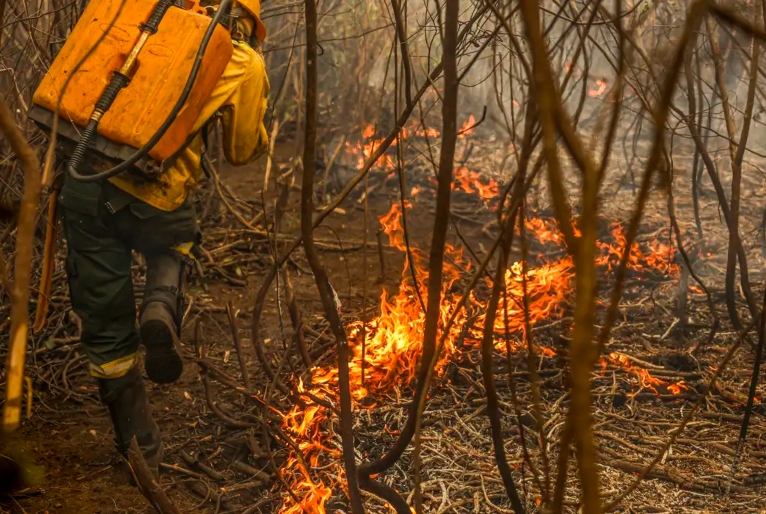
326	292
583	249
441	223
22	268
146	481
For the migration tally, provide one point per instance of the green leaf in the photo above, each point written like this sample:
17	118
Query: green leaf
644	8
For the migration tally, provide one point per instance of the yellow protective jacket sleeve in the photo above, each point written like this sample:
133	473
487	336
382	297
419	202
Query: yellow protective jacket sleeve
242	96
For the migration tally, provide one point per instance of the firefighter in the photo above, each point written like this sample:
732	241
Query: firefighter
105	221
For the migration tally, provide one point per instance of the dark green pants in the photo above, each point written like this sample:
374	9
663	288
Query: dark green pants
102	226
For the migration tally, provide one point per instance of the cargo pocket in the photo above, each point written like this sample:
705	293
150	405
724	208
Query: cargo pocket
73	279
82	214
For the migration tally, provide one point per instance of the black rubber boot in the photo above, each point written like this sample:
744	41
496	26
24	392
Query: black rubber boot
160	318
158	333
128	405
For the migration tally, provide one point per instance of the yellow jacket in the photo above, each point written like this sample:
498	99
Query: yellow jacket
242	96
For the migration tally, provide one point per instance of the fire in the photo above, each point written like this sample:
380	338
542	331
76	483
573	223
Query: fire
612	252
471	182
306	423
544	231
678	388
658	257
465	179
467	128
599	90
644	378
547	290
661	257
393	346
394	338
364	150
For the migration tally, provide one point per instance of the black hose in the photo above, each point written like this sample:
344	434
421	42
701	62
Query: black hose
119	81
154	20
141	152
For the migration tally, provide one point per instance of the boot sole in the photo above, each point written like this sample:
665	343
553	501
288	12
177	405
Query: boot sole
163	364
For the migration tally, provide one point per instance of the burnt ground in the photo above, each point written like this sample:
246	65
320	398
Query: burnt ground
68	434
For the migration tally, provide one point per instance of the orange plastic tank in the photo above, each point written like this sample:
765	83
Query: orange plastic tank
161	72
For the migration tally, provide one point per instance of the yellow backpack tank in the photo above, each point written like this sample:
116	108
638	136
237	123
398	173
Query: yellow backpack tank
99	45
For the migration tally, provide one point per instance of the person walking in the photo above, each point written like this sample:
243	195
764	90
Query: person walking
103	222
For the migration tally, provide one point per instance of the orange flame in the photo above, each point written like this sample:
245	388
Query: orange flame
364	149
393	346
471	182
644	378
659	256
599	90
612	252
394	338
467	128
678	388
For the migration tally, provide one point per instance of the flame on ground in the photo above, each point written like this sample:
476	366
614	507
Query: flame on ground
644	378
658	256
472	182
465	179
547	288
394	338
